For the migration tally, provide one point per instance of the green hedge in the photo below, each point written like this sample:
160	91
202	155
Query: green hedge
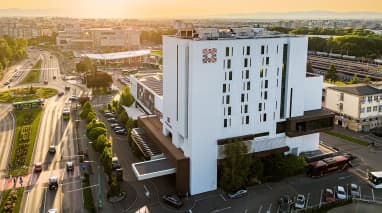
327	206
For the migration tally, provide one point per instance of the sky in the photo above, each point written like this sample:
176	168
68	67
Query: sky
186	8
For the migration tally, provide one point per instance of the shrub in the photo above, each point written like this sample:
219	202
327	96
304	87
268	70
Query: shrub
106	160
91	116
95	132
115	188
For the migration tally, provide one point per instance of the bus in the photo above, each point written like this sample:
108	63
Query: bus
66	114
328	165
375	179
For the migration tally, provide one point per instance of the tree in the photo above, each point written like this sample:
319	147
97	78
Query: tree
106	160
236	166
115	188
85	65
86	108
101	143
331	74
91	116
354	80
122	117
95	132
99	79
126	97
367	79
309	67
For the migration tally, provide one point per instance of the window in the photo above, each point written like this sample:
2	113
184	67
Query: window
370	98
225	122
229	64
262	50
265	117
247	119
230	75
229	110
368	109
380	108
265	95
248	50
261	73
227	51
363	100
266	84
248	85
246	62
247	74
363	110
375	108
277	49
267	60
242	97
224	88
260	107
376	98
227	99
266	72
342	96
246	108
267	49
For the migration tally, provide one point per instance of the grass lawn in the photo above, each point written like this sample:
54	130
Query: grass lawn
24	94
33	75
157	52
22	149
348	138
13	198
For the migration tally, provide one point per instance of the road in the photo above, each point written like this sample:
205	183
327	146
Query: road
53	130
7	126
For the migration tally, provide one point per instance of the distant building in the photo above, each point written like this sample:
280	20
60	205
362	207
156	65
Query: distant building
220	86
357	107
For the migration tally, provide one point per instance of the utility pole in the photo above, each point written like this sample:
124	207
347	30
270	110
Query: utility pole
100	203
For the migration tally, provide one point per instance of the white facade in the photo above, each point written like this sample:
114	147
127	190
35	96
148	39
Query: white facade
236	93
358	107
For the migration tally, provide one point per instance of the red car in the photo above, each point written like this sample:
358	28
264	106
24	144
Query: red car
328	195
38	167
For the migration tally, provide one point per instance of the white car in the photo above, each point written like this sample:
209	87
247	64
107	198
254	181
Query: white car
52	211
300	202
340	193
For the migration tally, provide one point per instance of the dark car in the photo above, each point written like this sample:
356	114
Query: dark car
67	88
238	194
53	183
328	195
172	200
45	82
112	120
121	132
60	93
52	149
54	77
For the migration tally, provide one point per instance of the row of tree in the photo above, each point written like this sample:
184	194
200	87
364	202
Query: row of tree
240	169
11	50
329	31
155	37
331	75
355	45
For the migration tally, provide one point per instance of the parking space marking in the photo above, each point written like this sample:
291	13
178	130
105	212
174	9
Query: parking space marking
260	208
222	196
220	210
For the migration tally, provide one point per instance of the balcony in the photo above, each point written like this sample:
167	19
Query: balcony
312	121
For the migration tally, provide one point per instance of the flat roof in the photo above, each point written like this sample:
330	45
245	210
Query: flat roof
153	168
359	90
151	79
117	55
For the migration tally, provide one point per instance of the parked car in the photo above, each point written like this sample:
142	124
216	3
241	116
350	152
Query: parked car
340	193
116	128
121	132
37	167
300	202
52	211
172	200
238	194
114	125
115	163
69	166
112	120
109	115
53	183
285	203
45	82
52	149
328	195
354	190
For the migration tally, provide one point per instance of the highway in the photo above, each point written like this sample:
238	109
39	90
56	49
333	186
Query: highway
53	130
7	126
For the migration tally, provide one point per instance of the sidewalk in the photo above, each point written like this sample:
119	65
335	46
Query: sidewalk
8	183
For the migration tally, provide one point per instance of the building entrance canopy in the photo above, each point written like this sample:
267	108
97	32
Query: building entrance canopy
153	168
